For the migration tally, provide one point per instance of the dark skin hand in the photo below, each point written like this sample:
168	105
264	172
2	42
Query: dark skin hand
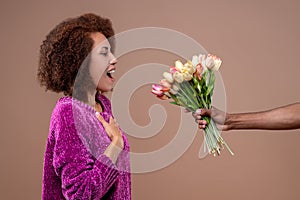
281	118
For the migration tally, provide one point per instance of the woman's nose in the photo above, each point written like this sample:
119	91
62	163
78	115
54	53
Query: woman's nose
113	60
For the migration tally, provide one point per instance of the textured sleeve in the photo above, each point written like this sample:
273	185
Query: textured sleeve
82	176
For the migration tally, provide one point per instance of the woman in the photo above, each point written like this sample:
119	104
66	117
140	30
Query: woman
87	153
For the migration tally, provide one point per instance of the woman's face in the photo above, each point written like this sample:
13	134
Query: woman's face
102	63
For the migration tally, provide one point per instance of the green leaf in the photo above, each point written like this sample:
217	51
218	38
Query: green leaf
209	90
175	103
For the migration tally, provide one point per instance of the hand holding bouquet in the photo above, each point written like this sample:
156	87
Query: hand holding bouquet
191	86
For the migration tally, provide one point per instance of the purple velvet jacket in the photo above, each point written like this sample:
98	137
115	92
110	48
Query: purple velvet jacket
75	166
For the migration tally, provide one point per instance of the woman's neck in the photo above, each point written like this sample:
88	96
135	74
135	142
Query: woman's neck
91	100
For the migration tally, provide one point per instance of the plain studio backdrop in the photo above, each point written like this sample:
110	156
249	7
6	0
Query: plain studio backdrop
259	44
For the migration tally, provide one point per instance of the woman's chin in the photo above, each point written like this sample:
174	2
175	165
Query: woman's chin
103	90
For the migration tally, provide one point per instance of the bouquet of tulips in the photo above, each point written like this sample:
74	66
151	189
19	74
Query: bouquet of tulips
191	86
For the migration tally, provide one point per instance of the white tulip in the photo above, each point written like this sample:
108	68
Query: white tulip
209	62
168	76
195	60
174	87
218	63
202	59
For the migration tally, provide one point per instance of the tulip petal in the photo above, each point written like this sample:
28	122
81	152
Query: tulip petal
157	92
187	76
178	77
178	65
209	63
163	97
165	83
195	60
168	76
156	87
218	63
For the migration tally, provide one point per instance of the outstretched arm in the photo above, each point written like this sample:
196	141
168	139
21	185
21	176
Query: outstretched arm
281	118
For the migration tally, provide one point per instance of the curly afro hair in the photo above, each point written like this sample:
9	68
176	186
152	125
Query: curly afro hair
65	49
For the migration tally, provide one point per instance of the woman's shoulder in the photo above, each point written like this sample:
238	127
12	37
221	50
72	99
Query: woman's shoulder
63	105
68	106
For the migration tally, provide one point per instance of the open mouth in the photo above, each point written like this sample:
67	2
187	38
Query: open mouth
110	72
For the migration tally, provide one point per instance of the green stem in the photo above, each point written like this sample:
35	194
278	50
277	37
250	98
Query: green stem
194	104
222	140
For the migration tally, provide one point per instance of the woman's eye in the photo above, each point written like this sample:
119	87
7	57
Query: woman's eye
104	53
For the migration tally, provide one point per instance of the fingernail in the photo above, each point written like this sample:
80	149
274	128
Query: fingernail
97	114
198	111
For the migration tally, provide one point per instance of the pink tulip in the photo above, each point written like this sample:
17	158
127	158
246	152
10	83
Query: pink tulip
163	97
173	70
165	84
157	92
216	62
199	71
156	87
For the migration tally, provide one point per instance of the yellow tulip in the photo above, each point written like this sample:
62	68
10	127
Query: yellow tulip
178	77
178	66
187	76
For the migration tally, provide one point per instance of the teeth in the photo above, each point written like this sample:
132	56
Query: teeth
111	71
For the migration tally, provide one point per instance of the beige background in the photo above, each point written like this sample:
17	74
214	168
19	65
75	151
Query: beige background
259	44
